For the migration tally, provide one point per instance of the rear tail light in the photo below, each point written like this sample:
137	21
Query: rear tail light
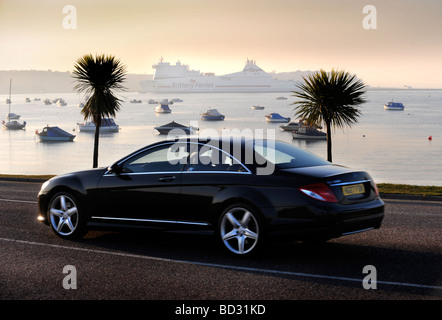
376	190
319	191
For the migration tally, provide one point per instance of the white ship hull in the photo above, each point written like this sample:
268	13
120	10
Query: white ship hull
179	78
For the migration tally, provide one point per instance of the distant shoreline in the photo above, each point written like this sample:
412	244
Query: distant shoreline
34	82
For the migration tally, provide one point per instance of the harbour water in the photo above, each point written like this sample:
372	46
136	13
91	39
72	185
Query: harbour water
392	145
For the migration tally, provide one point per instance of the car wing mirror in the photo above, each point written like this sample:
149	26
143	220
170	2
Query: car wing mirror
115	168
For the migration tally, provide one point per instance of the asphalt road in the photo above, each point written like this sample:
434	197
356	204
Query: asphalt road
404	260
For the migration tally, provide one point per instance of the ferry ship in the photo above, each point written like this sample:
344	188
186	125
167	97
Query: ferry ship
179	78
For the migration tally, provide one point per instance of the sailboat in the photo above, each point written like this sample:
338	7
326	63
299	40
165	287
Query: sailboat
12	123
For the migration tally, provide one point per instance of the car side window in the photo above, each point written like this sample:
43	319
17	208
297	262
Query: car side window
208	158
165	158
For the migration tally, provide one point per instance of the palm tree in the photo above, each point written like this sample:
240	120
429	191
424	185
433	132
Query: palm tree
330	99
97	77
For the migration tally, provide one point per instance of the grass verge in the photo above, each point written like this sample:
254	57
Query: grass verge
390	188
26	177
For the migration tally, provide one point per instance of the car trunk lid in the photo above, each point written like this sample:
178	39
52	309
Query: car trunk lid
348	186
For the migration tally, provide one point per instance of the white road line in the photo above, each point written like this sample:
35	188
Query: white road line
215	265
18	201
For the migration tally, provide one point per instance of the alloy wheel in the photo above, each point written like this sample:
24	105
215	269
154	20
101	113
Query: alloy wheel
239	230
64	215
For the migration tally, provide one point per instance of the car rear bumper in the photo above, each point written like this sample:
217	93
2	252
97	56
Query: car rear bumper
311	222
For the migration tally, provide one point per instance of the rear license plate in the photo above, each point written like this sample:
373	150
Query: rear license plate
353	189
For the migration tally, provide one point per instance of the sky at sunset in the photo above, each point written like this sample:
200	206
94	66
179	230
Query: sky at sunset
404	47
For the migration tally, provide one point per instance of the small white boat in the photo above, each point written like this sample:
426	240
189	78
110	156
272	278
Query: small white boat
165	101
13	125
292	126
135	101
27	100
257	107
276	117
394	106
281	98
47	102
54	134
165	129
163	108
107	125
177	100
61	103
12	116
309	133
212	115
152	101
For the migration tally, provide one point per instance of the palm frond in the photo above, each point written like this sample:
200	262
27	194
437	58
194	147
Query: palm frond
330	98
98	77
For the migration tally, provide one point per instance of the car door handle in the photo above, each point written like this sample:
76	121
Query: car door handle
166	179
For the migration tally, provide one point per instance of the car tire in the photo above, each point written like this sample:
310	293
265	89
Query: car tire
240	230
65	216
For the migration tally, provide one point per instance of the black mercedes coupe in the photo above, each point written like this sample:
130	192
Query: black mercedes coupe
245	190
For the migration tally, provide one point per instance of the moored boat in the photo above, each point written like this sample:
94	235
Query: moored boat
107	125
13	125
309	133
276	117
394	106
212	114
12	116
54	134
257	107
292	126
163	108
176	128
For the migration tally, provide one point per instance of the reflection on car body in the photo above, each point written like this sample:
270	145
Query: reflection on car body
219	185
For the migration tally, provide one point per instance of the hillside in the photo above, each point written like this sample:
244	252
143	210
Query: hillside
33	81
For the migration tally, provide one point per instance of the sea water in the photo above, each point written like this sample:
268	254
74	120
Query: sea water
393	146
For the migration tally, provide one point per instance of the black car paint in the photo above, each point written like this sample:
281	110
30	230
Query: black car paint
196	200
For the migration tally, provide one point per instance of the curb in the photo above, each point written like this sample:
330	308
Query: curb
415	197
22	179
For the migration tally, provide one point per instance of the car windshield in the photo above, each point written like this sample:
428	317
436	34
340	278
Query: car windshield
284	155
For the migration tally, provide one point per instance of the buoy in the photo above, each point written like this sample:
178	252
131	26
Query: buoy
430	138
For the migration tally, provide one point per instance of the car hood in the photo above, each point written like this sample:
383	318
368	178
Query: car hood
80	180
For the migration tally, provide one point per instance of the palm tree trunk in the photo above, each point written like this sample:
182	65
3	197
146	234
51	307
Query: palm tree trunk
96	139
329	142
